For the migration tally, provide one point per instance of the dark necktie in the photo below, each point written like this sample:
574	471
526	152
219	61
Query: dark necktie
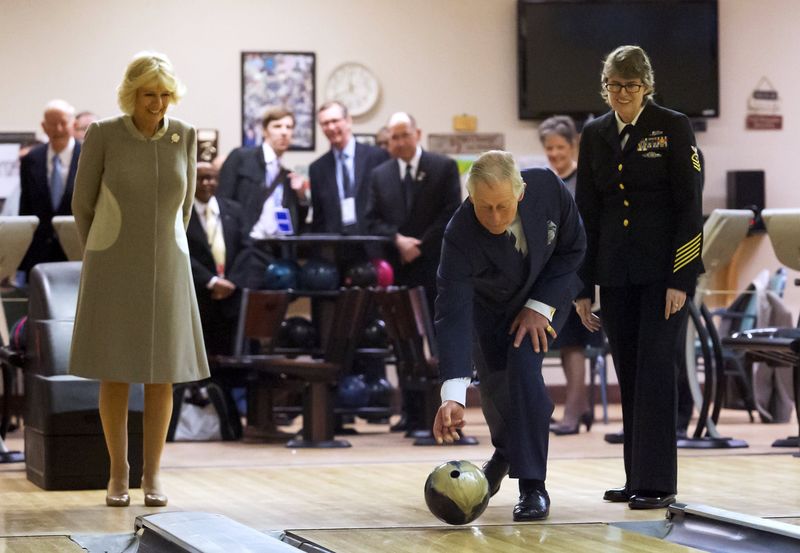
347	185
625	135
408	183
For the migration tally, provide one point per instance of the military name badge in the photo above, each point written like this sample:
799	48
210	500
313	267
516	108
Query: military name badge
551	232
695	157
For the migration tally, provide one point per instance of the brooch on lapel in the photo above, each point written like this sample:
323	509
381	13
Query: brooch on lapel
551	232
175	138
420	176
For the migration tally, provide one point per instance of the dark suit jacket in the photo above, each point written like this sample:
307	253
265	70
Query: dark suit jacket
655	184
35	200
236	241
479	291
241	179
423	213
325	192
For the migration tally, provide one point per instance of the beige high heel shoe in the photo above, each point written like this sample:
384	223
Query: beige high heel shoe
155	499
117	500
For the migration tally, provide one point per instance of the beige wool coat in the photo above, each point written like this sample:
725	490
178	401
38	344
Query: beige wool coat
137	317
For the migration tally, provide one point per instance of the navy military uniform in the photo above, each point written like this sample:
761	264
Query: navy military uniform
642	209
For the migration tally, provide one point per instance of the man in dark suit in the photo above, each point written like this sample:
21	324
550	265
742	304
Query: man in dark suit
256	179
217	238
252	176
47	175
506	279
411	199
338	178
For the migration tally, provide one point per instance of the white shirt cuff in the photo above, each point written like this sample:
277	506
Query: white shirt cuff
455	389
542	308
212	282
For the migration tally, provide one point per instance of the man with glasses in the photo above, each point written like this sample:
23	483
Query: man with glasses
338	178
639	192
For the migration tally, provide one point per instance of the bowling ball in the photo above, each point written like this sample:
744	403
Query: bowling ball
457	492
362	274
281	274
375	335
318	274
380	393
352	392
297	332
385	272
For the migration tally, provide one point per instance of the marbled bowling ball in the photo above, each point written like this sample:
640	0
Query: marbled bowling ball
362	275
297	332
457	492
318	274
281	274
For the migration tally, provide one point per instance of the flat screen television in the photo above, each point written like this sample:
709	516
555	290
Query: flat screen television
562	45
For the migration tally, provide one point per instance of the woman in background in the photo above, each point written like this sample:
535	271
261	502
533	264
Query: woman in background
560	140
137	318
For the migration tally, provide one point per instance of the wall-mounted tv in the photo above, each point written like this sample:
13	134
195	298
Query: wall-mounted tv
562	45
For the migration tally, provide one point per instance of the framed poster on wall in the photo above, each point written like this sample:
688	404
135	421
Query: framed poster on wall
274	79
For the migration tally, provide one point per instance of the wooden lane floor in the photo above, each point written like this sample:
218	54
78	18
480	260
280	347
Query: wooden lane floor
377	484
551	538
39	544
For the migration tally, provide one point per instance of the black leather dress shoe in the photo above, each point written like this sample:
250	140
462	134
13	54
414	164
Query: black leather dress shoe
651	502
495	470
617	495
533	505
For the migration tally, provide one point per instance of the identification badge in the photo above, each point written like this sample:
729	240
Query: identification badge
348	211
283	221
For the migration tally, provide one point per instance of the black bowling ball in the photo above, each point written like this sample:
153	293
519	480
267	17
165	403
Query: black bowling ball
375	335
380	393
297	332
363	275
318	274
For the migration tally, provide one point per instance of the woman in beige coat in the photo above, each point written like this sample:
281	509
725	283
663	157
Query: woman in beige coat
137	318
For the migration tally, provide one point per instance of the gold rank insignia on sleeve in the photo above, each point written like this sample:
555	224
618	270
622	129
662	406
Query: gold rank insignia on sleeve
695	159
687	253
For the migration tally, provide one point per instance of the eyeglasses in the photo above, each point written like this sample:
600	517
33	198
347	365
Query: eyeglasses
631	88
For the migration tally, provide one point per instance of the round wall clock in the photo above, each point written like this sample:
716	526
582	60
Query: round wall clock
355	86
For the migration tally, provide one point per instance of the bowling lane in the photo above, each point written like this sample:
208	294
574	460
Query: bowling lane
553	538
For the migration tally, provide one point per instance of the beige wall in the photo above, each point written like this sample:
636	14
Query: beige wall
435	58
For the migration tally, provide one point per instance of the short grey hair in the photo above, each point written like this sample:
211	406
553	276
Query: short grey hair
495	167
629	62
62	106
145	68
561	125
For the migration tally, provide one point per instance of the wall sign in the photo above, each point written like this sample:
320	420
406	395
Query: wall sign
763	108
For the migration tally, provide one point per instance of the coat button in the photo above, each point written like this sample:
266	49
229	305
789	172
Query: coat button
626	203
625	222
621	186
619	167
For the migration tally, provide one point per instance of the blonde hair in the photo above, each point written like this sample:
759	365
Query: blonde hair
145	68
494	167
